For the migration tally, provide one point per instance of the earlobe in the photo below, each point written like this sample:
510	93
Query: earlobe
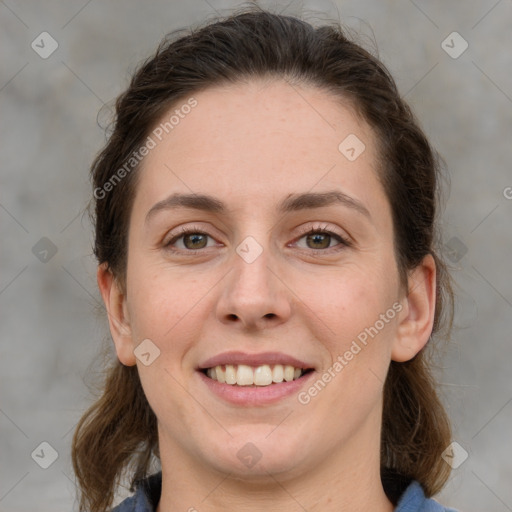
417	316
118	319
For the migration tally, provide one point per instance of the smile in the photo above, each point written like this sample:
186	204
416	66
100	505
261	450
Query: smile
262	375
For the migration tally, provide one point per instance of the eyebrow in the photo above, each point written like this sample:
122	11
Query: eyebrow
292	203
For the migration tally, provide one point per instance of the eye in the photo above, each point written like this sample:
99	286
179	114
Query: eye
321	239
193	240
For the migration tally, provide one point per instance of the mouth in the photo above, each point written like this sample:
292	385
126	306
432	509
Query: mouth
244	375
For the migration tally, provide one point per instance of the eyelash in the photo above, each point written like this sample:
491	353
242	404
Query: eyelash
194	230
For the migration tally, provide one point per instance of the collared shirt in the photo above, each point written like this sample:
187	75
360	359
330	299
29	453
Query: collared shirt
147	496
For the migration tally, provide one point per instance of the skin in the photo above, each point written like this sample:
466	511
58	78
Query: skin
250	145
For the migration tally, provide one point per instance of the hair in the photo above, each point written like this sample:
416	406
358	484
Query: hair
118	433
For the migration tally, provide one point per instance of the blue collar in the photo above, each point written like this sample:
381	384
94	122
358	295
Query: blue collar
148	493
414	500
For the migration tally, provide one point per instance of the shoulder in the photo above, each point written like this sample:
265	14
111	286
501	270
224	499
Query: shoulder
146	497
414	500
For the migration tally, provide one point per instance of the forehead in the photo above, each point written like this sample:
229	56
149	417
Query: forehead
254	142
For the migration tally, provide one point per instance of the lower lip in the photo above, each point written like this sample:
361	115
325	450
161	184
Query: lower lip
255	395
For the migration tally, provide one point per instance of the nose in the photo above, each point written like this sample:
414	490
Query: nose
254	294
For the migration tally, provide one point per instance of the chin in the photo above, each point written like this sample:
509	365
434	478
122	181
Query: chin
255	457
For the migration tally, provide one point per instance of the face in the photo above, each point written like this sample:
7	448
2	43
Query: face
237	280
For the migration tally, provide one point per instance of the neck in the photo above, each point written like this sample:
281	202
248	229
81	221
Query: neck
348	479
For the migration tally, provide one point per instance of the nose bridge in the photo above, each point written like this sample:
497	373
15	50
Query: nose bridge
251	275
252	292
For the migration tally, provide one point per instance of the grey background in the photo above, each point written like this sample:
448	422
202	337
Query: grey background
49	134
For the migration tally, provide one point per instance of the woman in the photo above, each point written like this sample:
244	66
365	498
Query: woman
265	216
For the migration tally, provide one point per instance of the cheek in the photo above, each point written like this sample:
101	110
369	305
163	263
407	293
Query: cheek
153	303
348	303
166	307
358	316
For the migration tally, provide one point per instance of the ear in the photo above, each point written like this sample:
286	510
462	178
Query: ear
417	317
118	318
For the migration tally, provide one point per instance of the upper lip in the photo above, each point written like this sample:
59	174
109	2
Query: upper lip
253	360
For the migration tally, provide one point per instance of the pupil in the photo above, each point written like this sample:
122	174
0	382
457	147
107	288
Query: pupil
194	238
316	235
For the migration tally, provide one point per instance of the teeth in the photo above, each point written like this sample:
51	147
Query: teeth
230	374
288	373
278	373
245	375
221	374
263	375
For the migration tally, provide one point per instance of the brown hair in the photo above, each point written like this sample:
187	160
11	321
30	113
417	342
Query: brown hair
118	433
